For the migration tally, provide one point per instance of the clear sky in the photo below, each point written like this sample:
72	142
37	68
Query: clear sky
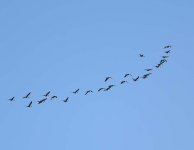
62	45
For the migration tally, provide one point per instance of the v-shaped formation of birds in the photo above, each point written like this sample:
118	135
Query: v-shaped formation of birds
135	79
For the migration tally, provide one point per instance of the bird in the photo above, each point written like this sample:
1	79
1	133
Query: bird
165	57
53	97
42	101
122	82
27	96
141	55
148	70
126	75
66	100
101	89
89	92
47	94
163	61
146	75
11	99
168	46
158	65
107	78
29	105
136	79
76	91
109	87
167	52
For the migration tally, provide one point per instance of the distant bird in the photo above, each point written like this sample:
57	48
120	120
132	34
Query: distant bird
158	65
141	55
76	91
168	46
107	78
89	92
12	99
53	97
136	79
42	101
66	100
165	57
47	94
126	75
167	52
101	89
163	61
146	75
122	82
27	96
29	105
148	70
109	87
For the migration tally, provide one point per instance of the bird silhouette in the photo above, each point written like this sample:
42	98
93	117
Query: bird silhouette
12	99
126	75
76	91
107	78
141	55
47	94
165	57
101	89
42	101
88	92
27	96
122	82
53	97
167	52
158	65
168	46
29	105
148	70
109	87
66	100
146	75
136	79
163	61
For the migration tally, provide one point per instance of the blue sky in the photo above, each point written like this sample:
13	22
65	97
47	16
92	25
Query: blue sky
65	45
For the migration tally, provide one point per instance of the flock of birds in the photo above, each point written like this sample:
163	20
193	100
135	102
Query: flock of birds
145	76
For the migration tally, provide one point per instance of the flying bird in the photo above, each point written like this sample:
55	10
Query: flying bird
148	70
53	97
76	91
42	101
109	87
136	79
27	96
66	100
146	75
101	89
107	78
141	55
89	92
168	46
47	94
12	99
165	57
29	105
158	65
167	52
122	82
163	61
126	75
